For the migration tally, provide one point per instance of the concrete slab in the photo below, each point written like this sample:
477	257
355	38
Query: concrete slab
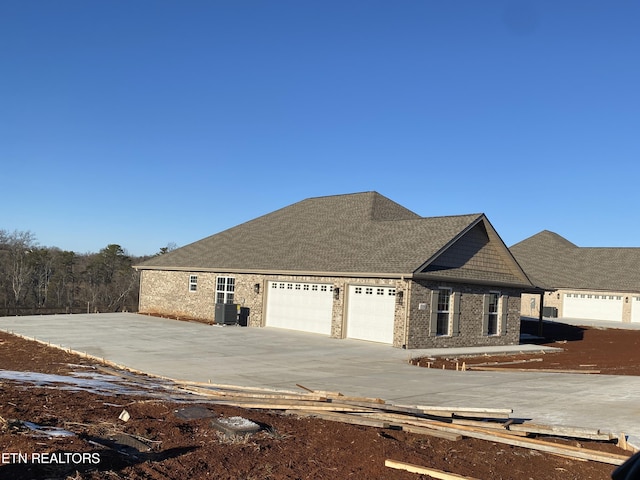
267	357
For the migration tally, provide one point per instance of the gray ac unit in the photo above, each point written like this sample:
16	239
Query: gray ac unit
226	314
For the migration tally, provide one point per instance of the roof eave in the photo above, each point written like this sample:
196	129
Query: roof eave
496	283
277	272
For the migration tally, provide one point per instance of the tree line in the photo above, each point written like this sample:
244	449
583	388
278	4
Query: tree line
35	279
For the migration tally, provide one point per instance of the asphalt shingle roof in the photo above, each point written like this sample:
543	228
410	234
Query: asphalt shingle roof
553	262
359	233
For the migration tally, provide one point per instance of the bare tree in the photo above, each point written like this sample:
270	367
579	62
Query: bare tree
64	279
169	248
17	246
36	277
109	278
41	262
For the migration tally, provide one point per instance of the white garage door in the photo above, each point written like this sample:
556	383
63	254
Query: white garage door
300	306
635	309
370	313
594	307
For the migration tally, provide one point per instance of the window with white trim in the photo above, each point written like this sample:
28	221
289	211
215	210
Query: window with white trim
491	325
225	289
193	283
445	312
444	303
495	314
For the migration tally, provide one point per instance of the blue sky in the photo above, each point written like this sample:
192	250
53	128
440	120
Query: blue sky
145	122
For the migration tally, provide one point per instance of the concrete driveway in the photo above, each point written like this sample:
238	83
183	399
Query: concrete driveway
281	359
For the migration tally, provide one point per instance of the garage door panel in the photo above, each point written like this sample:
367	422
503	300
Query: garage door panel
300	306
635	309
593	307
370	313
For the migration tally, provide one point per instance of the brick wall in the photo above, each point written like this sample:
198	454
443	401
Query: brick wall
167	293
471	314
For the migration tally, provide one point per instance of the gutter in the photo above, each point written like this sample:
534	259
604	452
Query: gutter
277	272
496	283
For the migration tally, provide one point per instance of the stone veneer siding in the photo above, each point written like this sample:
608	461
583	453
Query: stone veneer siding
167	293
471	314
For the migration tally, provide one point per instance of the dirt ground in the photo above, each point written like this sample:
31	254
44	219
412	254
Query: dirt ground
606	351
287	447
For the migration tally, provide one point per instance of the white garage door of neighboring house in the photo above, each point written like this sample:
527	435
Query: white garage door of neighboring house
300	306
635	309
594	307
370	313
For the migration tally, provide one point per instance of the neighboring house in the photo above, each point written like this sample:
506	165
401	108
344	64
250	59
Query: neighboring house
588	283
350	266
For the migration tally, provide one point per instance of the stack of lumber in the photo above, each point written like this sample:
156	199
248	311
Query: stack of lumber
451	423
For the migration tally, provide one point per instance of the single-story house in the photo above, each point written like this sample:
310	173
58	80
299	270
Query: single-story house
349	266
581	282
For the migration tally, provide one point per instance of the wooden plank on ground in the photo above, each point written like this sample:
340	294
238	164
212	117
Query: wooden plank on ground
472	412
539	370
497	364
501	427
340	396
432	472
386	407
533	444
254	395
289	405
562	431
227	387
453	437
343	418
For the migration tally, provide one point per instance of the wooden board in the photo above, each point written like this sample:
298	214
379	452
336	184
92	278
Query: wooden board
453	437
533	444
432	472
343	418
470	412
562	431
539	370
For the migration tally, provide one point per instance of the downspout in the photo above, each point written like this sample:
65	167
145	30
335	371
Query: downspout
140	272
540	314
406	313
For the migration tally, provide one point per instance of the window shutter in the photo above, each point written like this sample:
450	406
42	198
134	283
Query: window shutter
485	314
433	321
456	313
504	314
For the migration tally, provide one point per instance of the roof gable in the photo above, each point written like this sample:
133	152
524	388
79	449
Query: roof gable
478	255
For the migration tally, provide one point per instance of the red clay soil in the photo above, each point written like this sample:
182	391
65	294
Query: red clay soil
606	351
288	447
